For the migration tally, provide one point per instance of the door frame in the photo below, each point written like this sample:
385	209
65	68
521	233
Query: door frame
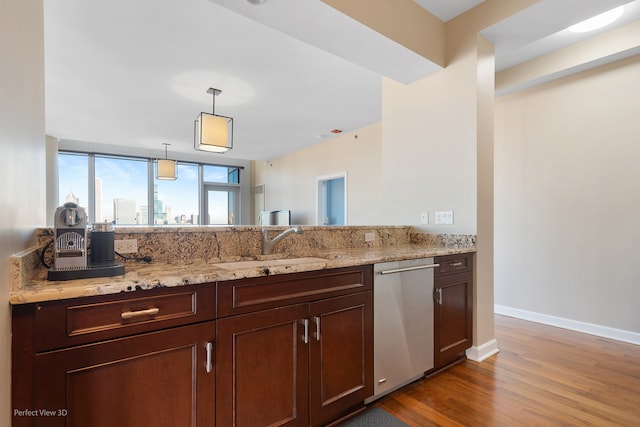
320	180
229	188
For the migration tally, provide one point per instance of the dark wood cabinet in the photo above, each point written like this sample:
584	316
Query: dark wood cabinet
293	349
120	360
341	355
154	379
262	368
453	308
304	364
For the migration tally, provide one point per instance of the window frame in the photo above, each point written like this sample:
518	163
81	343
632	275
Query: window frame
203	186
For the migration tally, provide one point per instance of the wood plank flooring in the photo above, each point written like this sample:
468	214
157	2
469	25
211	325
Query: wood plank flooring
543	376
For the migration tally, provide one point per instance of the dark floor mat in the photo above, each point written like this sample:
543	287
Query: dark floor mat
374	417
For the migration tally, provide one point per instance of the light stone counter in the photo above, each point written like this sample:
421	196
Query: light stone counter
30	284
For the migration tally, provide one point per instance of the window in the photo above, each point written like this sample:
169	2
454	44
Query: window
124	191
221	174
176	202
221	190
73	177
121	191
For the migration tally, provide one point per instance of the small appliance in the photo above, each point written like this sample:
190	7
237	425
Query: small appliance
102	237
70	236
281	217
70	260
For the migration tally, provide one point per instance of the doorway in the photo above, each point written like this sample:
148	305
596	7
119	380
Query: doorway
332	199
258	203
221	205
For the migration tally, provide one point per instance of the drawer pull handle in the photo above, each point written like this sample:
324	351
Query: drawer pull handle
316	334
305	333
401	270
208	361
141	313
456	264
437	295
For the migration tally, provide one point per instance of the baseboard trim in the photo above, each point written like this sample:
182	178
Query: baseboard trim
483	351
573	325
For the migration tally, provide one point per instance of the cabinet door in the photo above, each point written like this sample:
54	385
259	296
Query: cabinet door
341	359
158	378
262	368
453	317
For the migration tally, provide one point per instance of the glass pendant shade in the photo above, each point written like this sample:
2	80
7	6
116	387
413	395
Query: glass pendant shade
213	133
167	169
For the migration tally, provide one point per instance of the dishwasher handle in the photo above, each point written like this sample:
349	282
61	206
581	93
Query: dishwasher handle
401	270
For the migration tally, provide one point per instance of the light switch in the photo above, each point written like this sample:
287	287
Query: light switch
424	218
444	217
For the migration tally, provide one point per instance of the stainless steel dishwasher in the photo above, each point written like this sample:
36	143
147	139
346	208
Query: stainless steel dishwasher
402	323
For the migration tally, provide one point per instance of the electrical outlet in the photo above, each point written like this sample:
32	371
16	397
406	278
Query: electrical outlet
126	246
369	237
445	217
424	218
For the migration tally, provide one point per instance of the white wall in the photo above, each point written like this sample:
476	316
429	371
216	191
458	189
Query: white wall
22	204
567	198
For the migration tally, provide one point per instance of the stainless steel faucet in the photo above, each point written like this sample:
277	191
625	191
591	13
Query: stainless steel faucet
267	243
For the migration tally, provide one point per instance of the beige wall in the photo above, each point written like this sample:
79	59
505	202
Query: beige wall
615	44
429	148
403	21
291	181
567	198
484	267
22	204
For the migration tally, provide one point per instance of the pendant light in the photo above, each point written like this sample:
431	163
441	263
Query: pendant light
167	169
213	133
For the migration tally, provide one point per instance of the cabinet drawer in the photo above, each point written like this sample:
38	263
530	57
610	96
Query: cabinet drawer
84	320
248	295
458	263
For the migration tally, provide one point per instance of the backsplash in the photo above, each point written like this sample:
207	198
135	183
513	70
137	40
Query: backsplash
220	244
225	244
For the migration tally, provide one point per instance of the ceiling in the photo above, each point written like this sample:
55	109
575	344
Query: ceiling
135	73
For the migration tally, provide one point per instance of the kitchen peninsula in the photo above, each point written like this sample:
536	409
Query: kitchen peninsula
202	335
192	255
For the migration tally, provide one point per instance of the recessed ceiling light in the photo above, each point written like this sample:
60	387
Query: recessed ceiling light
257	2
597	21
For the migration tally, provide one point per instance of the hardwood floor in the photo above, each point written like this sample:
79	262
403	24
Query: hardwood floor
543	376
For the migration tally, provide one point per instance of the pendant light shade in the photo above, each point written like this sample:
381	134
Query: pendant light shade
167	169
213	133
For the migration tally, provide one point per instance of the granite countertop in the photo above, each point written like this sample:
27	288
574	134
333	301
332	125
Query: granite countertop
141	276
